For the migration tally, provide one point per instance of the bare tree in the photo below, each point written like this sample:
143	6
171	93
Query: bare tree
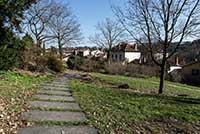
63	26
159	25
37	18
109	33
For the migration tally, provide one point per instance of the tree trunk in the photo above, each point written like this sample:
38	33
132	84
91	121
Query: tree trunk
44	48
162	78
38	46
60	49
109	56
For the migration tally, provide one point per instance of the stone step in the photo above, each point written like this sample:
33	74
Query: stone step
59	82
58	130
53	92
40	116
54	98
55	88
54	85
54	105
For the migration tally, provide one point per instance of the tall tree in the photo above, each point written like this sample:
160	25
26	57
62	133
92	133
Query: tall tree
63	26
109	33
160	24
37	17
11	15
11	12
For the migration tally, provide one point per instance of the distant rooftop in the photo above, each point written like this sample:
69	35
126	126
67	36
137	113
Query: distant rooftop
125	47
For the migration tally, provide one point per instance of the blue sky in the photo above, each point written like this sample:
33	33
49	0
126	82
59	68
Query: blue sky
90	12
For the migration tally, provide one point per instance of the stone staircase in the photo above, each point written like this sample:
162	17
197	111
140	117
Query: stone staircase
54	104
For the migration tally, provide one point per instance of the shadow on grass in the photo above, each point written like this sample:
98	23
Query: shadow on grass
168	99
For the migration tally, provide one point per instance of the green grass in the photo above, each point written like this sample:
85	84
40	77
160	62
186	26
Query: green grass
110	109
148	84
16	89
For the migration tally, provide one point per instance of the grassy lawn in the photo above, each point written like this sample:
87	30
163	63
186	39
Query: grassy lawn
15	91
148	84
114	110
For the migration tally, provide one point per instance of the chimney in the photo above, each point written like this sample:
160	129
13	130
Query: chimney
177	61
136	48
145	59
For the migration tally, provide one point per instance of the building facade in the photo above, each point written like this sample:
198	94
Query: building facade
125	52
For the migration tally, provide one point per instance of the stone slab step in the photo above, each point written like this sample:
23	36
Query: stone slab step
53	92
55	85
54	105
39	116
55	88
58	130
59	83
54	98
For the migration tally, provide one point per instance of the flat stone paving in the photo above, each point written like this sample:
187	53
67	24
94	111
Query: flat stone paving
36	115
54	98
49	93
54	105
58	130
55	85
52	92
55	88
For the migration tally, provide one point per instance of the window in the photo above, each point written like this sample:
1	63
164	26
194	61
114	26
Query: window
195	72
115	56
112	56
120	57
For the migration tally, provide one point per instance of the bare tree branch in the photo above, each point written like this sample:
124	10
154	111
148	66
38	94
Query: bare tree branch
109	33
163	24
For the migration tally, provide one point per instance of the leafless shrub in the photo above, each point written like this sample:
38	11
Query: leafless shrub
132	70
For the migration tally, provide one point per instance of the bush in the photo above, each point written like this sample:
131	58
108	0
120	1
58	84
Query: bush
115	68
132	70
10	47
71	63
41	63
75	62
84	64
92	66
54	64
142	70
175	76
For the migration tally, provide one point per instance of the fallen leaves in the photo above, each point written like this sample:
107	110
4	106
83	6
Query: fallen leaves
9	121
15	91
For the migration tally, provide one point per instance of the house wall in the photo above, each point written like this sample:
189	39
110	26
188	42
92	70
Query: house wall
130	56
191	73
97	53
125	56
159	56
86	53
118	56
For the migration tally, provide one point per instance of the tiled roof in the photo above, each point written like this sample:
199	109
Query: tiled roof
125	47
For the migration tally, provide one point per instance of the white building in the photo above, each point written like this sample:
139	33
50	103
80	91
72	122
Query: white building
96	53
125	52
83	52
159	56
